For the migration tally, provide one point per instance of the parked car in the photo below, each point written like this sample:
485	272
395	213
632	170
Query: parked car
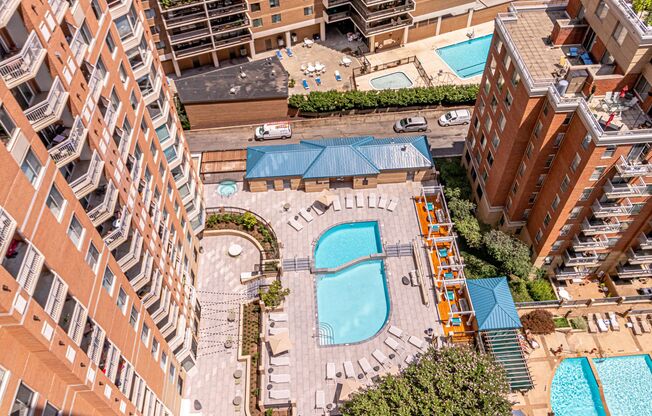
455	117
411	124
272	131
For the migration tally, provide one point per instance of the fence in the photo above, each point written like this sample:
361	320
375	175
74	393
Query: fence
585	303
367	68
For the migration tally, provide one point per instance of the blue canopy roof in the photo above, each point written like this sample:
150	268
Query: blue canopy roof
329	158
493	304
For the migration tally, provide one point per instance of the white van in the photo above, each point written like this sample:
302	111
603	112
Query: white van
455	117
272	131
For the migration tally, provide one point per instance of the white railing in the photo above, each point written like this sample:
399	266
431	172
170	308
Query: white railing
602	227
41	114
579	259
95	86
639	256
129	259
7	9
145	273
590	244
16	68
633	271
7	229
614	209
91	179
119	235
59	8
78	47
619	190
72	146
562	274
30	268
105	208
629	169
645	241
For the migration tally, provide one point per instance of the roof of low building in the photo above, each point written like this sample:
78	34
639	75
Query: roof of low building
337	157
493	304
263	79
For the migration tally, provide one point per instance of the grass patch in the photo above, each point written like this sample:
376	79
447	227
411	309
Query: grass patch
561	322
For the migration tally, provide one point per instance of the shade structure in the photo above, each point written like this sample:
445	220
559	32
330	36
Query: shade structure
279	343
349	386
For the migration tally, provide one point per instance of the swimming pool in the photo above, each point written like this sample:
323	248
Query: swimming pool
627	384
392	81
467	58
227	188
574	390
345	242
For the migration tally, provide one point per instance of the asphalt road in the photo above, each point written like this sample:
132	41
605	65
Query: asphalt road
445	141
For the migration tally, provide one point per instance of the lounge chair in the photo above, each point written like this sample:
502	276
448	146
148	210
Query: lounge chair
418	342
295	224
396	331
338	77
613	320
278	317
380	357
318	81
645	326
279	55
330	371
572	52
359	200
349	201
413	278
392	205
586	58
305	84
382	202
279	361
591	321
430	206
601	323
373	200
317	209
336	204
635	327
409	359
279	394
320	399
349	371
279	378
306	215
366	367
289	52
276	331
391	343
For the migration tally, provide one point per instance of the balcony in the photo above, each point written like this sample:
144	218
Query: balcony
587	258
331	16
380	26
187	353
611	209
585	243
600	226
7	9
141	274
220	10
633	271
374	12
49	110
129	252
571	273
639	256
95	86
24	262
184	17
630	169
232	38
118	230
24	65
78	47
86	175
7	229
71	143
228	25
151	292
334	3
186	34
645	240
59	8
625	189
101	203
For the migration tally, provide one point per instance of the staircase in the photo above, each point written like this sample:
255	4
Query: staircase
398	250
296	264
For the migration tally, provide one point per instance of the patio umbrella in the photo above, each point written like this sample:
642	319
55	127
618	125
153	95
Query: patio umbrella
279	343
349	386
610	119
326	198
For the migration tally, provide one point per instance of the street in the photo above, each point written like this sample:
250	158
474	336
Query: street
445	141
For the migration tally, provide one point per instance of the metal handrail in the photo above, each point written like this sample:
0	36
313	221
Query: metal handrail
72	145
46	108
22	63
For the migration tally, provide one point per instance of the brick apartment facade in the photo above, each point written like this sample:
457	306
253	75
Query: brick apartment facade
206	32
100	211
558	148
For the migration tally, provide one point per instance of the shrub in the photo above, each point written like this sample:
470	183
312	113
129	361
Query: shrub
248	221
465	222
512	254
476	268
212	221
538	321
541	289
519	291
181	112
453	176
274	295
579	323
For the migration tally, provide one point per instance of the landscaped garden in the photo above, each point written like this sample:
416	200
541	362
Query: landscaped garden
251	346
247	222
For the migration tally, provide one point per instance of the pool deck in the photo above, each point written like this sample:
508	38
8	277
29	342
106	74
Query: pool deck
308	360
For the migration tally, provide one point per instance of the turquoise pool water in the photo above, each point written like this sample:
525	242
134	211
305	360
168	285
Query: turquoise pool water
391	81
227	188
467	58
574	390
627	384
353	304
346	242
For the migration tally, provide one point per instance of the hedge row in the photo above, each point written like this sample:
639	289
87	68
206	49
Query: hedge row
325	101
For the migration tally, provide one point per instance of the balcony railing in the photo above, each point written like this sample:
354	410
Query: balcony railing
71	147
567	273
23	66
334	3
622	190
245	37
368	14
583	243
572	258
600	226
607	209
48	111
645	240
120	233
106	207
639	256
187	35
78	46
7	9
228	26
226	10
183	19
130	258
331	16
633	271
628	169
59	8
7	229
95	86
30	269
90	180
144	273
372	28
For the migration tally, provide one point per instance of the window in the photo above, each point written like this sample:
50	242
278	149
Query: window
155	348
545	108
490	159
500	82
586	193
586	141
564	184
549	161
487	124
55	202
576	162
122	300
565	230
92	256
133	100
568	119
107	281
24	401
4	377
501	121
144	335
31	167
609	152
508	99
97	10
546	219
558	139
495	141
483	141
602	9
7	126
528	150
537	129
476	123
537	237
274	3
642	87
555	202
619	33
515	187
150	14
516	78
494	103
50	410
556	246
533	197
110	43
575	212
541	179
123	73
521	169
597	173
257	22
75	231
255	7
173	371
133	316
164	360
308	11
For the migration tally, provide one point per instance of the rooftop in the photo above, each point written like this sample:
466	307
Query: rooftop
493	304
263	79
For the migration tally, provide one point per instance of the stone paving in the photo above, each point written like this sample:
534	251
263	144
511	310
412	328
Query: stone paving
308	360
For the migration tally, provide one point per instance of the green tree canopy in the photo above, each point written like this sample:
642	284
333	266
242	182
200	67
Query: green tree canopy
513	255
455	381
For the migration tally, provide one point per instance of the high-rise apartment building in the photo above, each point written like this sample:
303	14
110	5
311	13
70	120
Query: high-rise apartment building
100	209
192	33
558	148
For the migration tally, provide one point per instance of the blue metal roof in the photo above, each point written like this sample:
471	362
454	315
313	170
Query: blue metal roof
493	304
329	158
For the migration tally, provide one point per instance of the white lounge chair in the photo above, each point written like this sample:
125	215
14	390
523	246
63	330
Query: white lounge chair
590	319
279	361
409	359
635	327
614	321
382	202
279	394
418	342
317	209
279	378
295	224
336	204
392	205
278	317
320	399
645	326
349	201
380	357
349	371
366	367
306	215
396	331
373	200
391	343
359	200
602	326
330	371
276	331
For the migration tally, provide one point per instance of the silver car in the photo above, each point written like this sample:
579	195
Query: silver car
411	124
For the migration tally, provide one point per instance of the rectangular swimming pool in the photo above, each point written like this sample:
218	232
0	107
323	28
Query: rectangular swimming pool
627	384
467	58
574	390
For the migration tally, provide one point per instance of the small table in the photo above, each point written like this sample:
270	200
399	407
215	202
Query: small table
286	207
237	374
237	400
235	250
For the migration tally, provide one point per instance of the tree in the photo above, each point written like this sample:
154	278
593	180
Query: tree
462	215
454	381
540	289
643	9
539	321
476	268
275	295
512	254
